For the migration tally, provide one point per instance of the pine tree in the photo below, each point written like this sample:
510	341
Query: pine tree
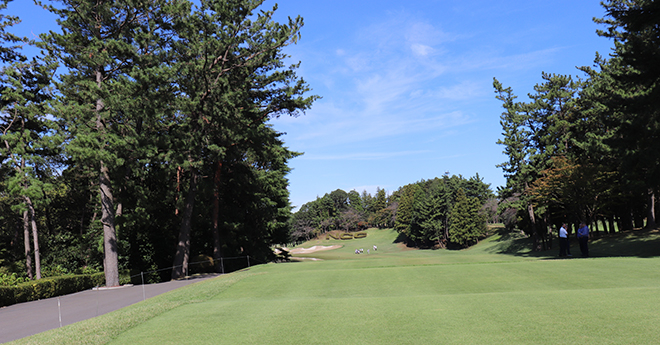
467	225
433	212
405	213
535	133
27	133
355	202
631	93
231	79
381	200
107	50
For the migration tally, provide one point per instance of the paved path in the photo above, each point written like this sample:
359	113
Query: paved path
25	319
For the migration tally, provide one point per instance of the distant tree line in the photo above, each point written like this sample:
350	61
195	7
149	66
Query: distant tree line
428	213
138	138
588	148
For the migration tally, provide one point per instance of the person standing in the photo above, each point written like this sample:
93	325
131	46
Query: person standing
563	240
583	239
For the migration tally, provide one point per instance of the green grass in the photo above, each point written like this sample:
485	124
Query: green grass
493	293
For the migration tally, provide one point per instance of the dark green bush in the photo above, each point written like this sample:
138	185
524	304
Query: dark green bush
346	236
49	287
360	235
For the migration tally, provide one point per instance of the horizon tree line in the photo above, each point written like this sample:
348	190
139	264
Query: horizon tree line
429	213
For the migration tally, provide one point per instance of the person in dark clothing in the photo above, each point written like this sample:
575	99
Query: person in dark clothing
583	239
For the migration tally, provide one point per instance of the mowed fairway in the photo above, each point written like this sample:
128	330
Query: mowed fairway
402	296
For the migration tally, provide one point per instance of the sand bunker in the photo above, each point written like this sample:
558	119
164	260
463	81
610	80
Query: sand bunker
313	249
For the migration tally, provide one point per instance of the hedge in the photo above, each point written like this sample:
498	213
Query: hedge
50	287
346	236
360	235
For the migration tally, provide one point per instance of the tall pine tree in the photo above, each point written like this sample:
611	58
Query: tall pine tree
230	79
105	47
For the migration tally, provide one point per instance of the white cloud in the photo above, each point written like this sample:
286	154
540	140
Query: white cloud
394	78
421	49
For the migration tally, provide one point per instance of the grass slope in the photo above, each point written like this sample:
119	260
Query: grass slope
488	294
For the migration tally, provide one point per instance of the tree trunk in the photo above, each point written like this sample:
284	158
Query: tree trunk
605	229
35	237
625	219
28	252
178	190
182	255
650	216
110	245
595	227
111	262
532	219
217	251
547	239
638	219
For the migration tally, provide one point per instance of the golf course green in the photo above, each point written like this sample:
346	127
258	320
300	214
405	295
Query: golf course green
497	292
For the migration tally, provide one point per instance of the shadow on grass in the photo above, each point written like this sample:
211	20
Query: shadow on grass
403	239
641	243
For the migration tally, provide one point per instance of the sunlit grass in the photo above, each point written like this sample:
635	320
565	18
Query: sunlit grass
483	295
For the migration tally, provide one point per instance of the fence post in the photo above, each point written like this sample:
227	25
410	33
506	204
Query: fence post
143	295
248	257
59	310
222	264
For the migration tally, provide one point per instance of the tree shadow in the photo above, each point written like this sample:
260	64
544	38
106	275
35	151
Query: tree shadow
402	238
641	243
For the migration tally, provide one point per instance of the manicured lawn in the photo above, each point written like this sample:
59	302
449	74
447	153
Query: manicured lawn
402	296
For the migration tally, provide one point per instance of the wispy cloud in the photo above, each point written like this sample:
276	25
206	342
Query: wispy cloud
361	156
394	78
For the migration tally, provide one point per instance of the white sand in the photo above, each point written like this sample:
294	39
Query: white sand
312	249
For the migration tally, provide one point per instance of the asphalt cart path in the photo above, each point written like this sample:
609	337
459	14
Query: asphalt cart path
25	319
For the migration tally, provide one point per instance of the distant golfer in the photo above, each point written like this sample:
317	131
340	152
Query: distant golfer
375	248
563	240
583	239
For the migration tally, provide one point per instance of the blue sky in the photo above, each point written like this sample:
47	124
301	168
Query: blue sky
407	85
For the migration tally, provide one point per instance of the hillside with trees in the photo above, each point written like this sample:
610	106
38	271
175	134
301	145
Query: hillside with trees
423	212
586	149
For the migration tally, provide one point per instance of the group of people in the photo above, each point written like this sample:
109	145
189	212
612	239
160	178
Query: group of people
582	236
361	250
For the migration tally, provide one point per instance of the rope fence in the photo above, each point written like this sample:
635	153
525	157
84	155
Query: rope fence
198	266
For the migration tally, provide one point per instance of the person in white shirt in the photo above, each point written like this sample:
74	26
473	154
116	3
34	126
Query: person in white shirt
563	240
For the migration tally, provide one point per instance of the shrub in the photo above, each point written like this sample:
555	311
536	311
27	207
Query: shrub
54	271
360	235
11	279
346	236
49	287
202	264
